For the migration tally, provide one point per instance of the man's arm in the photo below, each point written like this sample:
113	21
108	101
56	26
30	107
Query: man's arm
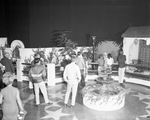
78	74
65	73
44	72
12	67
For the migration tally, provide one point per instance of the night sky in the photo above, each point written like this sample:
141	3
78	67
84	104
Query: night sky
33	20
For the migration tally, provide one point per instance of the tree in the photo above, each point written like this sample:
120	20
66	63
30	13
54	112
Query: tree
60	38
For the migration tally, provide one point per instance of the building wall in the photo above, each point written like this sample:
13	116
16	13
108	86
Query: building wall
137	49
17	20
3	29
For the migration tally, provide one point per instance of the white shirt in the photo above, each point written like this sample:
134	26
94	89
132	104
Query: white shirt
110	61
80	62
72	73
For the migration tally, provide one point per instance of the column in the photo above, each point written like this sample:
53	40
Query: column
19	70
51	74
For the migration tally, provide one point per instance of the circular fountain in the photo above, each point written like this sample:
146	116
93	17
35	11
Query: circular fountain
105	95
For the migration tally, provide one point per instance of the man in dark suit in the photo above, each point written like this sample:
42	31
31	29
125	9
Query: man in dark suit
2	68
7	63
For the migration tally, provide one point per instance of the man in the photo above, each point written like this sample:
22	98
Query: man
80	61
7	63
2	69
121	70
35	56
36	74
72	76
100	62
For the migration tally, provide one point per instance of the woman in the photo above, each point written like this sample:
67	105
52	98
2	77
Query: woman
10	98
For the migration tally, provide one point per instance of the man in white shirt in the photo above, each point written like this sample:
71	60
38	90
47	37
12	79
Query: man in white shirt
72	76
80	61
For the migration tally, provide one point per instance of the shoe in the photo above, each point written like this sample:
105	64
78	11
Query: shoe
49	103
148	117
122	85
37	105
65	105
71	106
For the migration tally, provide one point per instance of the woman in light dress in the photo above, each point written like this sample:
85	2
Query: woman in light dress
10	98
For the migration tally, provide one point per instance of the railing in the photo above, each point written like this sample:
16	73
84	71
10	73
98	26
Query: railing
54	73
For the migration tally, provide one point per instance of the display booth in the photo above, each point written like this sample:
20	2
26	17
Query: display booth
135	38
136	47
52	58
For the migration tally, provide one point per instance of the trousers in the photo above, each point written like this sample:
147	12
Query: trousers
72	86
40	86
121	73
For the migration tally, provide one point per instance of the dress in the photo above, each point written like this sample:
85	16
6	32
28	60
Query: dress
9	107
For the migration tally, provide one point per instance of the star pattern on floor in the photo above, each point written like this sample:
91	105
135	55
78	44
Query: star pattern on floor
25	101
146	115
74	118
137	118
55	114
142	96
129	90
57	95
57	111
55	104
148	104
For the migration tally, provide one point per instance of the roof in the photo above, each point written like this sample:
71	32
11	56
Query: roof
140	31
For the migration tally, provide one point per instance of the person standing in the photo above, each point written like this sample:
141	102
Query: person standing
2	69
36	75
37	55
122	64
110	61
5	61
10	99
64	62
82	66
100	62
72	76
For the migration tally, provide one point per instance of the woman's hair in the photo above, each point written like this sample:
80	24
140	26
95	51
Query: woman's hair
109	55
8	78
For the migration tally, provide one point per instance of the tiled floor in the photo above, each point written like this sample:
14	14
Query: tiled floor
137	105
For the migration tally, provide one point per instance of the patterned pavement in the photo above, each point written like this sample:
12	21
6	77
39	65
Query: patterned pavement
137	105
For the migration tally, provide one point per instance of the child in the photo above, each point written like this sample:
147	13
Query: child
10	98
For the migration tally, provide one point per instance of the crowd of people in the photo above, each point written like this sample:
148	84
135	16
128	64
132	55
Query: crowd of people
75	71
105	61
